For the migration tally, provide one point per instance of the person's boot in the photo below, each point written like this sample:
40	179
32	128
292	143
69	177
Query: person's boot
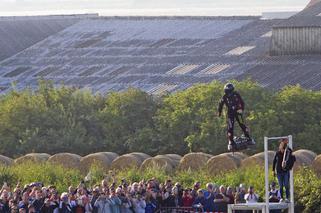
250	141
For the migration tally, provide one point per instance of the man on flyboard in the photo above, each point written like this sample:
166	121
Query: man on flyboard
235	107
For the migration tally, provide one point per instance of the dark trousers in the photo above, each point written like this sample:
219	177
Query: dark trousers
284	182
230	125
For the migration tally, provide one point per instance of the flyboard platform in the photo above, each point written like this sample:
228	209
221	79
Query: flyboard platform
242	143
267	206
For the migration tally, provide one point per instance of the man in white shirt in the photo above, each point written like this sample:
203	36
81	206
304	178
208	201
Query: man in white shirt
251	197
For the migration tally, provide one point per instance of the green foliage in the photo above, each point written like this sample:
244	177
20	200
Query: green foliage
29	172
66	119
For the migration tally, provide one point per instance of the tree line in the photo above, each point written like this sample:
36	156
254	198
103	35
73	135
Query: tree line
63	119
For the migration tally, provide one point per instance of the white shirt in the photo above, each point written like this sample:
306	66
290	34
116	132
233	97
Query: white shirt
251	198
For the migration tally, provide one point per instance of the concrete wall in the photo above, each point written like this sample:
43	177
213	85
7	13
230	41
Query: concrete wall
296	41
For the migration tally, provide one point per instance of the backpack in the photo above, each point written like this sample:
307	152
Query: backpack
289	160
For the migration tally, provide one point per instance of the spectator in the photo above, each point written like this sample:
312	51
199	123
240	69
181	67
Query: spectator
151	203
199	201
209	198
24	203
197	186
95	195
4	201
139	204
251	197
115	201
274	196
221	200
177	197
230	195
187	198
240	194
103	203
64	205
38	201
47	208
126	203
31	208
168	197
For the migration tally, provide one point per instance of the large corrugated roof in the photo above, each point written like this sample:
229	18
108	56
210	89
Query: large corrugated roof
159	54
19	33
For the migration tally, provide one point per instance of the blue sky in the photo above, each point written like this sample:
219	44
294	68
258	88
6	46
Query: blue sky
149	7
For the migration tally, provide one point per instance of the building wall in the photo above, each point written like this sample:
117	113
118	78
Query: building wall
296	41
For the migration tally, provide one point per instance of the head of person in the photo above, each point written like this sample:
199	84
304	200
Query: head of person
242	188
96	191
135	187
228	88
112	191
222	189
5	196
283	144
175	191
272	185
71	190
186	192
200	193
209	187
229	190
64	197
197	186
25	197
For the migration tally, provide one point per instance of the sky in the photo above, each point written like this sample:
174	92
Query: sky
149	7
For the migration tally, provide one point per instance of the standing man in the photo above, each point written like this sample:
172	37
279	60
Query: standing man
235	107
282	164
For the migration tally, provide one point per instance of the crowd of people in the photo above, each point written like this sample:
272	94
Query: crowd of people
138	197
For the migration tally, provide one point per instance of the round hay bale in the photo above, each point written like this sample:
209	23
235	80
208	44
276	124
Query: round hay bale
5	161
257	159
174	157
159	162
67	160
316	165
224	162
100	159
128	161
194	161
111	155
303	158
307	153
33	157
139	155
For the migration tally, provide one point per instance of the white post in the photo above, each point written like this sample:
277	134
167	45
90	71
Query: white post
266	163
291	209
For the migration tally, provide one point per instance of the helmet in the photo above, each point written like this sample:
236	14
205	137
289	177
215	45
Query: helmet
228	88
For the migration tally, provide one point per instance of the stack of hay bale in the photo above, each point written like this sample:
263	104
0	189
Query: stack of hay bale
316	165
5	161
194	161
225	162
304	158
100	159
257	160
67	160
167	162
131	160
32	157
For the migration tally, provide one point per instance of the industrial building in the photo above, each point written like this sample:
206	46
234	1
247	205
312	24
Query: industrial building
160	54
